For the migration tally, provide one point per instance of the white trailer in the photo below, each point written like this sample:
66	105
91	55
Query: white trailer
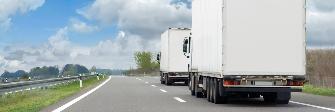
173	62
249	48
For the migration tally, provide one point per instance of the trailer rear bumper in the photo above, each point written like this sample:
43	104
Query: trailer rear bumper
179	78
262	89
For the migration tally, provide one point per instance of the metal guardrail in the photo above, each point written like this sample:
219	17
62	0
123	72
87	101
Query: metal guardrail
26	83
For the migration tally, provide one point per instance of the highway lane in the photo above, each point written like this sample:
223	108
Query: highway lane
146	94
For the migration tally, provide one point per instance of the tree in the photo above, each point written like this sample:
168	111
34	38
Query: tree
145	61
93	69
71	69
44	72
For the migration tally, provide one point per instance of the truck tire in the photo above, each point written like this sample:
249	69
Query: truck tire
208	89
191	85
269	97
283	97
216	94
162	82
278	98
198	93
167	81
211	85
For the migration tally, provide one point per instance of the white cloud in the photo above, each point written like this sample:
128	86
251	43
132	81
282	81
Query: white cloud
9	8
146	18
10	65
321	23
114	53
82	27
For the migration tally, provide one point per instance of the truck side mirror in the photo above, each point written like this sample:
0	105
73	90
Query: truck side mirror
158	57
185	45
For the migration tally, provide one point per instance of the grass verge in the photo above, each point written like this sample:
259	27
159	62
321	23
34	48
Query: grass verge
318	91
33	101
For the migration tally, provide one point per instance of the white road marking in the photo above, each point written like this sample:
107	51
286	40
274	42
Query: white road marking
153	85
139	79
179	99
315	106
80	97
163	90
146	82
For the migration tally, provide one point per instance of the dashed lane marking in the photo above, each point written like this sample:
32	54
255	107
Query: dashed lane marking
179	99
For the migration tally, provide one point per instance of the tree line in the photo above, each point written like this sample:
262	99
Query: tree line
48	72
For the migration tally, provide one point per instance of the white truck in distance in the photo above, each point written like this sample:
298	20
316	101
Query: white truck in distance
247	48
173	63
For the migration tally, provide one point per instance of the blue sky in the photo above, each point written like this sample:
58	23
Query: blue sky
106	33
102	33
36	26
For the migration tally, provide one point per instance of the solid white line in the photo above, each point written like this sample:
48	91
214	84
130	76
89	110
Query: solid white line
163	90
80	97
315	106
179	99
153	85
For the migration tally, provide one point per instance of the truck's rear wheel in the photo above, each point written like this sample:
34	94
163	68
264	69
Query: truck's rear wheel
278	98
167	81
191	85
283	97
211	86
208	89
198	93
216	94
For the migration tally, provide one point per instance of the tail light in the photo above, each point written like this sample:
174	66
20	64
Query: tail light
295	83
230	82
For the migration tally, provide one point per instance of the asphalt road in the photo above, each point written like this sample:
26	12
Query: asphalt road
146	94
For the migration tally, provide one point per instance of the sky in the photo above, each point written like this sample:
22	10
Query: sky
106	33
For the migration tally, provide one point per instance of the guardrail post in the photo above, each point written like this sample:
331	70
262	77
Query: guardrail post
98	76
80	81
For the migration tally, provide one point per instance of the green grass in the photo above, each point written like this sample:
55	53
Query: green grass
318	91
33	101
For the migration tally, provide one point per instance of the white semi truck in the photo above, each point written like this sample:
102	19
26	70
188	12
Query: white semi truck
173	62
247	48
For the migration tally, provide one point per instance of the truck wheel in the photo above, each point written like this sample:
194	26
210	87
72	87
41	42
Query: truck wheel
162	82
216	94
269	97
186	82
283	97
211	85
191	85
198	93
208	89
167	81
